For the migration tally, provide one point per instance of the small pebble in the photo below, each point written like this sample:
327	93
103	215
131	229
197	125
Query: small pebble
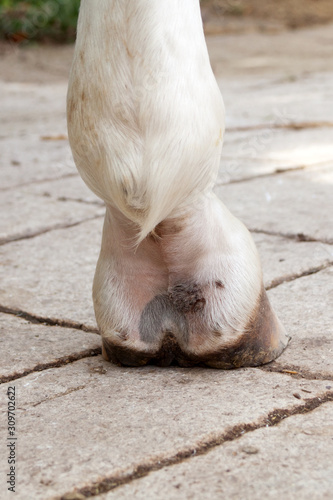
250	450
73	496
297	396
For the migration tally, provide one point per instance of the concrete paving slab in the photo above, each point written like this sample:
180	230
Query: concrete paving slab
30	159
30	108
292	460
288	148
290	203
260	79
51	275
27	214
25	346
89	419
293	52
40	64
241	169
283	259
33	132
64	190
281	99
305	308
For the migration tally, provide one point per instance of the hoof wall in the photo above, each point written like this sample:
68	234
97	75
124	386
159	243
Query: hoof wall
263	340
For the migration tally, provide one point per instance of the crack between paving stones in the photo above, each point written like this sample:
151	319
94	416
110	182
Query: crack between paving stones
56	396
88	353
284	126
40	320
299	237
276	172
303	75
27	236
39	181
203	447
294	371
287	279
260	176
99	203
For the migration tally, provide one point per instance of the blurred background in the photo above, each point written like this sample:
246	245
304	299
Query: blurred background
51	20
55	20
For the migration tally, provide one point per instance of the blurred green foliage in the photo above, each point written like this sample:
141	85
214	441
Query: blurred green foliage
38	19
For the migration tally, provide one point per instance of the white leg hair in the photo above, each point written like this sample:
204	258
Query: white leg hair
145	114
146	124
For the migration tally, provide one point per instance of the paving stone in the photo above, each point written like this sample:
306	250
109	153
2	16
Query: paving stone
292	460
288	148
241	169
261	80
283	259
27	214
29	108
64	190
265	55
30	159
51	275
33	133
24	346
290	203
88	419
281	99
40	64
305	309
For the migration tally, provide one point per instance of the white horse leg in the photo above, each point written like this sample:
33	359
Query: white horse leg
178	276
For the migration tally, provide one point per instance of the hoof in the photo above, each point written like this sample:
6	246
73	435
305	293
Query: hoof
263	341
189	298
125	356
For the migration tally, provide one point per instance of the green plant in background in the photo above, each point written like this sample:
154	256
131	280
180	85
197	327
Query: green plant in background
38	19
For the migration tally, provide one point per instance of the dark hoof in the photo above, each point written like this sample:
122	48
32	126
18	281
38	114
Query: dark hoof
263	341
122	355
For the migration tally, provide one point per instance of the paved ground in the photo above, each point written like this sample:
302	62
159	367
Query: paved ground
87	428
